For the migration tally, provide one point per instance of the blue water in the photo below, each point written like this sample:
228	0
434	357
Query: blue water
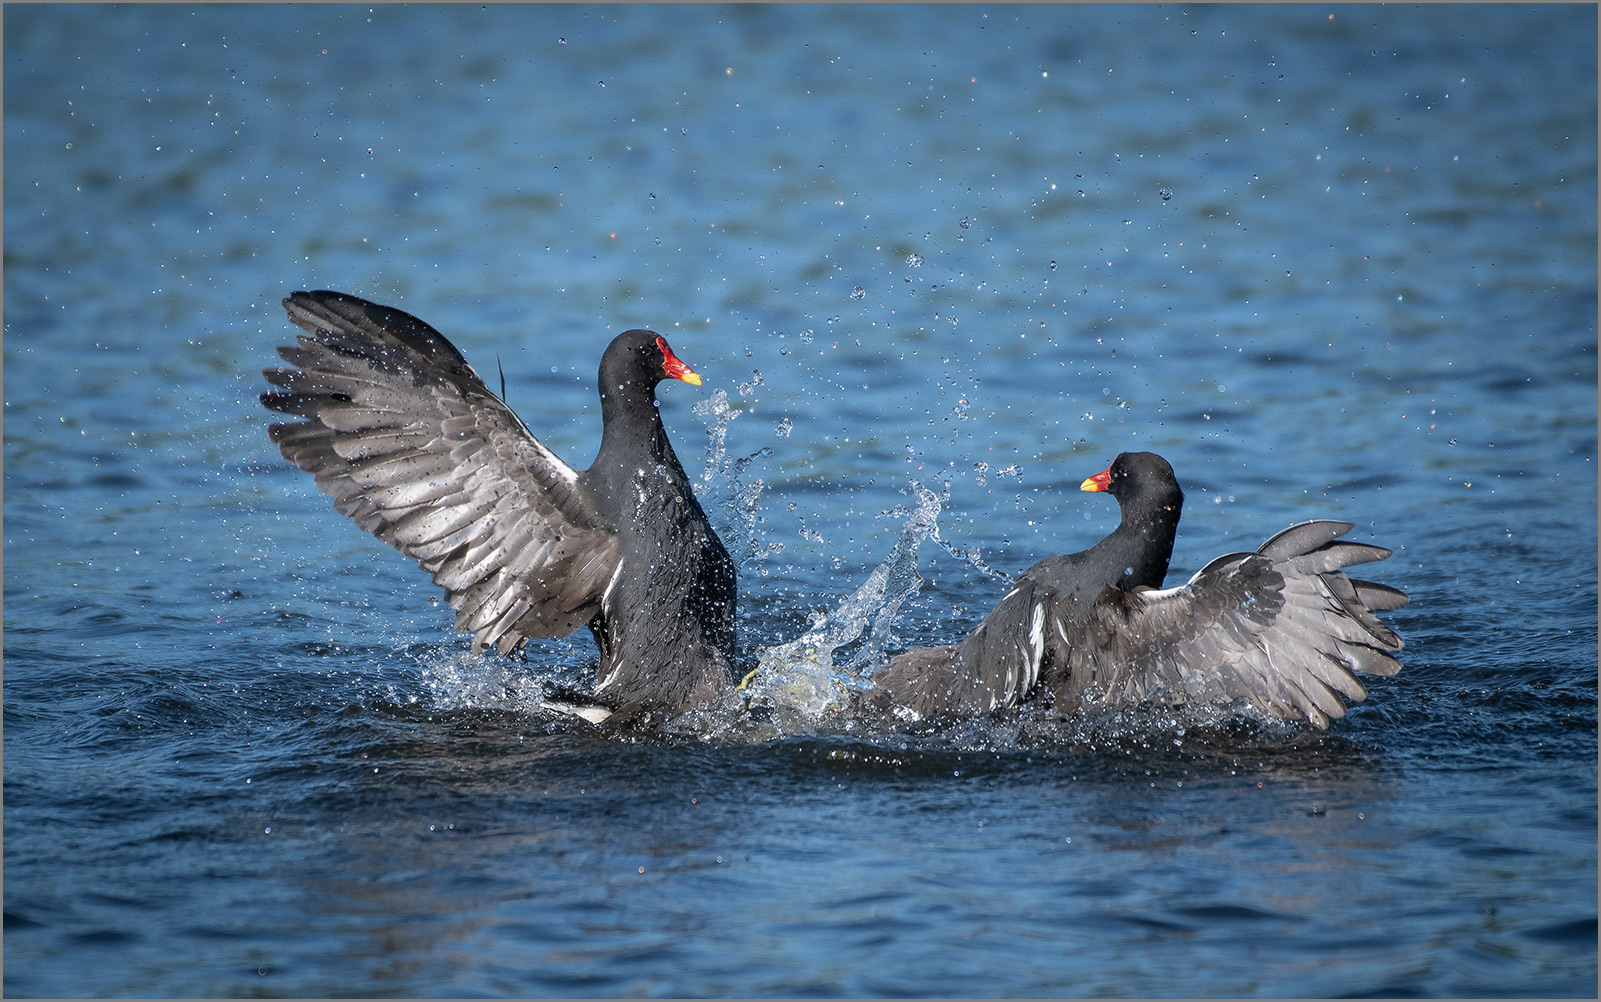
1330	261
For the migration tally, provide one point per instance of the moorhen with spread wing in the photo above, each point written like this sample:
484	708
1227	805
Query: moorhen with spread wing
409	442
1280	630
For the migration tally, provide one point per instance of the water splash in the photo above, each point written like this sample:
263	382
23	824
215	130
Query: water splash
733	505
456	679
716	408
973	557
461	680
801	676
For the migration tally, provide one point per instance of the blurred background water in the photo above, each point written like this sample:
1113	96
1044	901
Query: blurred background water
1330	261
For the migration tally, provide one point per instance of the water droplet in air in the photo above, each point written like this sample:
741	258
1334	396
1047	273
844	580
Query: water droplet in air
966	223
915	260
1166	193
858	293
785	426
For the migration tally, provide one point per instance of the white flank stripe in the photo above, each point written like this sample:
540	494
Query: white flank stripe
1036	645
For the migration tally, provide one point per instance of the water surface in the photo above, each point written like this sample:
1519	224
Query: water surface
1331	262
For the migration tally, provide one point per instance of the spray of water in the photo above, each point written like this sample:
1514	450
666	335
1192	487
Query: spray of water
800	677
731	503
716	408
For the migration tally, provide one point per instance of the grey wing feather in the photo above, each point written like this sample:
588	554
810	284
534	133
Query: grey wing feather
1377	597
1282	630
1012	647
1302	538
924	682
995	668
410	443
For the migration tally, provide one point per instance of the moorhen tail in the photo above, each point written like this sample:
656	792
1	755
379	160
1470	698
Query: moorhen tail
408	441
1280	630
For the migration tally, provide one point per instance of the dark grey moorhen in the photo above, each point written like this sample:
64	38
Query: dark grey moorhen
1280	630
408	441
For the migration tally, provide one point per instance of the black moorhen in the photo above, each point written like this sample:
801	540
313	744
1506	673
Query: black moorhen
410	443
1280	630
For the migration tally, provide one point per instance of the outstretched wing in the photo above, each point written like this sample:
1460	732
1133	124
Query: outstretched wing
410	443
1282	630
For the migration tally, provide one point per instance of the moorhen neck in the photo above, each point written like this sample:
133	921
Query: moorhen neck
410	443
1135	555
1278	631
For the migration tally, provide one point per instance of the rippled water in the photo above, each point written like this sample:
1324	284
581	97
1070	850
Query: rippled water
1331	262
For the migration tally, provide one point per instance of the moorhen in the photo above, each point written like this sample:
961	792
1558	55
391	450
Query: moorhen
409	442
1279	631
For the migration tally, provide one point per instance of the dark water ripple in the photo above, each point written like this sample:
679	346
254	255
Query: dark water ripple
1331	263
